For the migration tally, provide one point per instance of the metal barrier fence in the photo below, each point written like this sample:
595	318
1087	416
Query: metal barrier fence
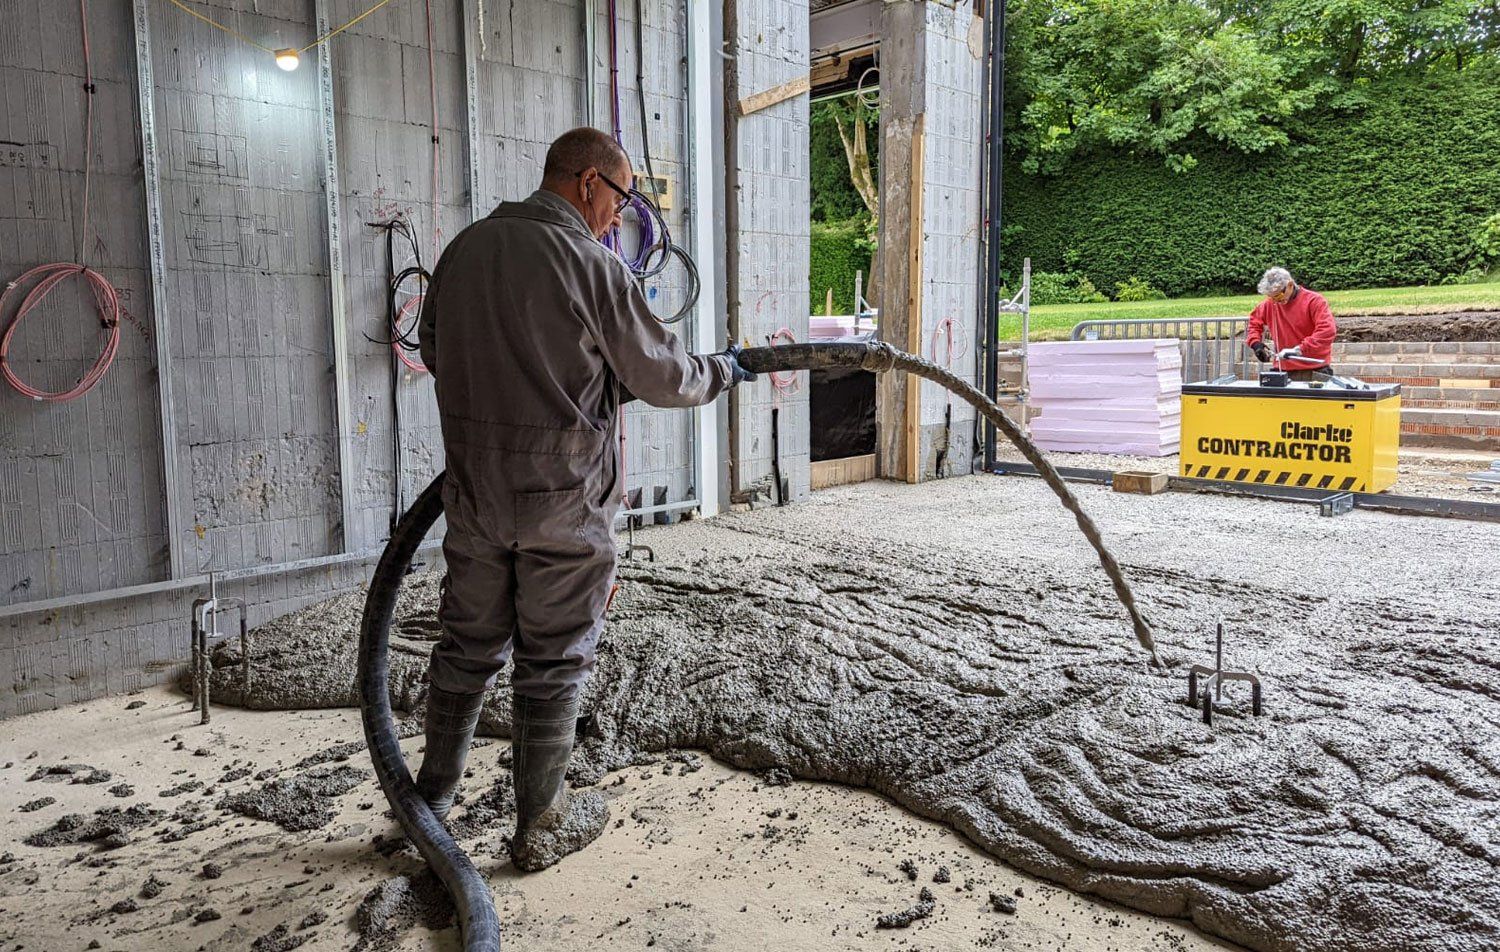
1211	346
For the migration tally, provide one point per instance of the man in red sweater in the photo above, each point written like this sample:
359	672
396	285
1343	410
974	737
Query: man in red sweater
1297	321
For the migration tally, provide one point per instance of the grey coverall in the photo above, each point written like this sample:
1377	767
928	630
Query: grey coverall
532	328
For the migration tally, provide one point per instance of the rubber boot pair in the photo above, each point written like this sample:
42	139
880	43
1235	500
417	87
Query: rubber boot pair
451	720
550	823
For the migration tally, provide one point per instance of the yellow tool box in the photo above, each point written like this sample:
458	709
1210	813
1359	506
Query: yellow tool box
1325	437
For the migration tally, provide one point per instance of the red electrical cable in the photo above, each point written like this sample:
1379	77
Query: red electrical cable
410	305
949	326
783	383
48	276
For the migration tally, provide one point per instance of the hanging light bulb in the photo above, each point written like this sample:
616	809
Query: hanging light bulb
290	58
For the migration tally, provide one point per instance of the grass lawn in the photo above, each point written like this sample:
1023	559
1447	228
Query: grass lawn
1055	321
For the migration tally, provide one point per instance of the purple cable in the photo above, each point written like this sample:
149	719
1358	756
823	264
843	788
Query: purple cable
611	240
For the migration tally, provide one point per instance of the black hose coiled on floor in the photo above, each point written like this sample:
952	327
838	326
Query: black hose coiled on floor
471	894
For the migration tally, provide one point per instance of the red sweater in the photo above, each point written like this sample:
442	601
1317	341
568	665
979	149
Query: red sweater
1305	320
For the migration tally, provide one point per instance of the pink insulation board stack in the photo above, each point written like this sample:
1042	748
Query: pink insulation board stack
839	325
1107	396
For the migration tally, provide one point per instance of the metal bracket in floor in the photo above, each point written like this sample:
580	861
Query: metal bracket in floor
205	631
631	548
1213	686
1338	504
1383	502
1072	474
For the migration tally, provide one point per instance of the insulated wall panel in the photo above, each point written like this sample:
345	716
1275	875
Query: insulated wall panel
391	170
533	83
930	128
80	482
246	292
658	443
247	283
770	256
950	230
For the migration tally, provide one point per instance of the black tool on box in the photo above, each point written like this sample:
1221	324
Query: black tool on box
1213	686
1274	378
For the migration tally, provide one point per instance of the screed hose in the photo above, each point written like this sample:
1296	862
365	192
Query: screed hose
880	357
471	894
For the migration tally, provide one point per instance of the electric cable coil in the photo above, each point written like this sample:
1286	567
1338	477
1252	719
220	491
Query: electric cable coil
656	250
403	341
49	276
106	305
783	382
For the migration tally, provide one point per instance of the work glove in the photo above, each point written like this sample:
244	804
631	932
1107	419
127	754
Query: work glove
1290	352
1262	353
740	374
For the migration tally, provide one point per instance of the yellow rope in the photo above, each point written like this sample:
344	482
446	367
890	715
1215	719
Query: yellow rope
218	26
339	29
245	39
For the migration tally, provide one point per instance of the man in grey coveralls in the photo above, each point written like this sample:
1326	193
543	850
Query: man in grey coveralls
535	333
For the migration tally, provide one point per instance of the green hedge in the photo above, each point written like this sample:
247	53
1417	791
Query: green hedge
1390	195
838	251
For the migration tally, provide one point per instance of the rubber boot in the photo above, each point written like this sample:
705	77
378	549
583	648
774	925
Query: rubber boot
451	719
550	823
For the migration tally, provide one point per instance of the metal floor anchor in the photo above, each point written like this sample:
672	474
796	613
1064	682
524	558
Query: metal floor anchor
205	633
1213	685
631	548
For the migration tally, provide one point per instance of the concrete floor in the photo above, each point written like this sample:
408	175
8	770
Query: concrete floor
975	668
709	859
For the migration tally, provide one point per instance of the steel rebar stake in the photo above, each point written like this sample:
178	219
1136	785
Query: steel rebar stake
205	631
203	618
1213	687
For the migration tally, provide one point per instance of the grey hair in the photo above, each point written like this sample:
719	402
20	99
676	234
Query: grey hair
1274	280
580	149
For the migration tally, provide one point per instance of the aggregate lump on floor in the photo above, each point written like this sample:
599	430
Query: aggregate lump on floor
977	671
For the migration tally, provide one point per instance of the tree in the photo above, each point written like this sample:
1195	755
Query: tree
1359	39
835	195
1166	77
1155	76
850	119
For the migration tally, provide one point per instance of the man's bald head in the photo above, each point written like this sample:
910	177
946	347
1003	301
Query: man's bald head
580	149
591	172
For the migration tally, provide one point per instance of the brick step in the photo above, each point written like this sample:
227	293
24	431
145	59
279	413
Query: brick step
1421	404
1440	439
1450	394
1463	429
1474	459
1415	360
1421	377
1362	369
1360	349
1451	416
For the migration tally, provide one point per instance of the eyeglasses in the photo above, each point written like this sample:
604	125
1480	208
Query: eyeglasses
624	195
